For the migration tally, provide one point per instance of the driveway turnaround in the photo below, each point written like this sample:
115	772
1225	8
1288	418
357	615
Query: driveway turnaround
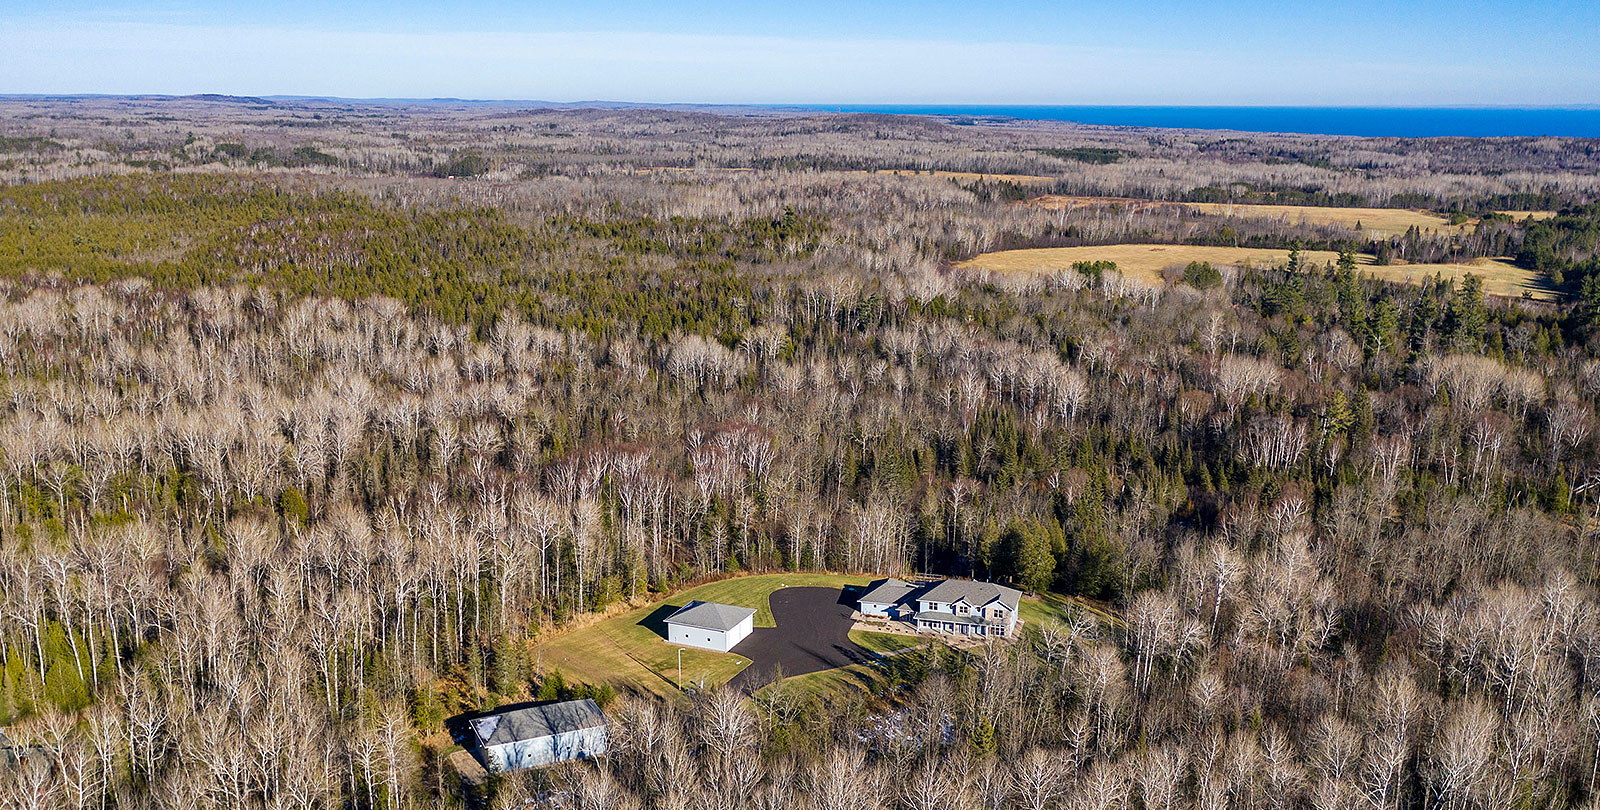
812	635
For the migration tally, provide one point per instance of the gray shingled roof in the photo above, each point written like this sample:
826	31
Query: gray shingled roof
974	593
537	721
888	592
711	615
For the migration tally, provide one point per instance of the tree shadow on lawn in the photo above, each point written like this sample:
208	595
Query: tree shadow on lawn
656	622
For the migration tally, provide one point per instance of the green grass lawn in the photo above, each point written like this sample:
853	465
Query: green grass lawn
859	677
1053	608
629	651
884	642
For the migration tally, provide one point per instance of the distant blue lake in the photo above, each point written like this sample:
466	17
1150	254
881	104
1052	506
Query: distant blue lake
1397	122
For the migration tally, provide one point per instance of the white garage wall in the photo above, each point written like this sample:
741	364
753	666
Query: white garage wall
700	637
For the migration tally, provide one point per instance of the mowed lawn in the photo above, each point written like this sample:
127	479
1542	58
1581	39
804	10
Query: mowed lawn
1055	609
1146	263
629	650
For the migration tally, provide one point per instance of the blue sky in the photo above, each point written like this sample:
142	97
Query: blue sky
997	52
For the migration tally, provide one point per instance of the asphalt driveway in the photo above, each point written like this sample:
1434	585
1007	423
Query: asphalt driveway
812	635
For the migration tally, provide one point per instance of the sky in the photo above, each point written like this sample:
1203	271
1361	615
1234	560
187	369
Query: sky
1216	52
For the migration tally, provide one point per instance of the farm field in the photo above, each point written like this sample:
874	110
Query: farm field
627	650
1376	222
1500	276
1145	263
1141	262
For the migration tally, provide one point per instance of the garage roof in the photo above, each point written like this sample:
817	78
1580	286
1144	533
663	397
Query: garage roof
535	722
710	615
888	592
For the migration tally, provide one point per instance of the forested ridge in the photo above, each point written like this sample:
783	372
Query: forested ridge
295	466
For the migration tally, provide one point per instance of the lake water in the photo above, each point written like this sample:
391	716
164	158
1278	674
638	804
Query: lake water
1399	122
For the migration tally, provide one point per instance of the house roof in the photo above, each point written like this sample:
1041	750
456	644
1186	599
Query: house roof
888	592
710	615
534	722
973	593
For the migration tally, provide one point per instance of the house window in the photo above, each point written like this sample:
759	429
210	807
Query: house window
962	610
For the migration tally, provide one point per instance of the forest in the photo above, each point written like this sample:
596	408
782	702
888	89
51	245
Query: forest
300	457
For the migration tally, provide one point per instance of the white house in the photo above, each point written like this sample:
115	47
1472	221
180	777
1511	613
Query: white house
710	626
540	735
953	606
968	608
887	597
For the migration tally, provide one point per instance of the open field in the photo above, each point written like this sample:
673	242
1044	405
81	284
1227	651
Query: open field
1141	262
1375	222
1145	263
628	652
1500	276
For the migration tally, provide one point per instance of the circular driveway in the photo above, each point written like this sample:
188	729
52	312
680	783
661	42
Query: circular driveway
813	634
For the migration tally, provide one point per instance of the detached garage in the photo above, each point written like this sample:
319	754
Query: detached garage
710	626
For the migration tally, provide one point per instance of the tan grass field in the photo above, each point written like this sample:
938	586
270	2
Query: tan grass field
1500	276
1141	262
1145	263
1374	221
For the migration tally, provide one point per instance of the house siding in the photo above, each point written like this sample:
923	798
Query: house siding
717	640
580	744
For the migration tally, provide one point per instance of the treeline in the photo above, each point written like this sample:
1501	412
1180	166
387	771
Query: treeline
387	507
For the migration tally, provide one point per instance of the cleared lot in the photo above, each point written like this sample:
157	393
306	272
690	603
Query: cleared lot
1145	263
628	650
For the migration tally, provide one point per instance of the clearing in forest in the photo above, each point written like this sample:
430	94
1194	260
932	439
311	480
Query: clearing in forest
1375	222
1146	263
1140	262
1500	276
629	652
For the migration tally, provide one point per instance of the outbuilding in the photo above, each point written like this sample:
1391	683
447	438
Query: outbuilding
541	734
710	625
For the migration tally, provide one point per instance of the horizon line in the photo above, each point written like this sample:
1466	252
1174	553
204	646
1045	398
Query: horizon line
787	105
